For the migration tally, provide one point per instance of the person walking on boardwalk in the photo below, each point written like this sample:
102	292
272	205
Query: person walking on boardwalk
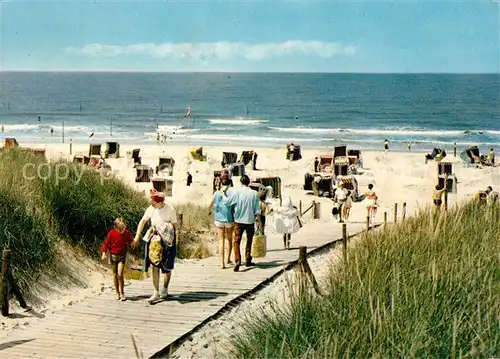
116	243
246	213
161	241
371	201
287	221
340	199
223	220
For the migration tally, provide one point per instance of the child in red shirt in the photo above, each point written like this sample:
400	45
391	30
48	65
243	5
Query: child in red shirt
116	242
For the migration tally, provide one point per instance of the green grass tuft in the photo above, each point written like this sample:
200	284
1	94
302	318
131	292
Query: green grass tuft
38	208
427	288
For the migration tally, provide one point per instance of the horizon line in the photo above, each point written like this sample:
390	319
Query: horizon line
128	71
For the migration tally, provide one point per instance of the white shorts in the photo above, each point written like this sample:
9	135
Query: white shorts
223	224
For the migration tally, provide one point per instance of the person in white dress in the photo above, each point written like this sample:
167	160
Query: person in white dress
286	221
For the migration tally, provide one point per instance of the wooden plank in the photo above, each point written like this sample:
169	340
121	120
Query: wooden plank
193	313
84	328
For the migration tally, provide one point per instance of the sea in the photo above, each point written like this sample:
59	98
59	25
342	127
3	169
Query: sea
253	109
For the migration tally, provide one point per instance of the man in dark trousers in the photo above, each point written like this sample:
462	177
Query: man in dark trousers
254	160
246	212
316	164
189	179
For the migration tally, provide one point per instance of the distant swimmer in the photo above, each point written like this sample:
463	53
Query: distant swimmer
386	147
39	119
296	117
91	135
51	131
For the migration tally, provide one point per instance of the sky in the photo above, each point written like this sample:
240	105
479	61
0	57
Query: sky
251	36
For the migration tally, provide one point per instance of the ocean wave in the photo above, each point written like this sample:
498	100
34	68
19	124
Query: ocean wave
240	121
243	138
396	132
20	127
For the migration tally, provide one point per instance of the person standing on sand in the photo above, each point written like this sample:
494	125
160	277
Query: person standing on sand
254	161
246	213
189	179
371	201
161	241
223	220
291	151
386	147
491	157
316	165
116	243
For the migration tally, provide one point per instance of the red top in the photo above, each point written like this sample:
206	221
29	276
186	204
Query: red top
116	242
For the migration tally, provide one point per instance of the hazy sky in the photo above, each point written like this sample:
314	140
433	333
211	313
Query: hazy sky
431	36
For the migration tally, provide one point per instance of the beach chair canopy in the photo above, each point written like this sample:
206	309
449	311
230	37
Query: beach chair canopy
229	158
112	149
445	168
340	169
464	155
473	150
325	160
95	149
166	160
356	153
197	150
246	157
435	153
10	142
350	183
274	182
197	154
340	151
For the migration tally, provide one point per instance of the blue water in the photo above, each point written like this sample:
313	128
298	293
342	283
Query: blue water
316	110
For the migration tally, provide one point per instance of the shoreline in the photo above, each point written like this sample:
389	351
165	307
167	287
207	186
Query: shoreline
305	145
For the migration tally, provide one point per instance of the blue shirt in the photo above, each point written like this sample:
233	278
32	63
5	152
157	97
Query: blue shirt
246	205
222	208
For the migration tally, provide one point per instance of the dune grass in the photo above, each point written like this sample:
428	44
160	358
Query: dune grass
38	208
427	288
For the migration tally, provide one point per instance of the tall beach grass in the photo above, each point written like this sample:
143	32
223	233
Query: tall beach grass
43	203
429	287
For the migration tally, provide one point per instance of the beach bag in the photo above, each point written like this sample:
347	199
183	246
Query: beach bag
335	210
259	245
155	250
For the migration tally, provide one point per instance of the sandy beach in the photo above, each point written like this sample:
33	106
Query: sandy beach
401	177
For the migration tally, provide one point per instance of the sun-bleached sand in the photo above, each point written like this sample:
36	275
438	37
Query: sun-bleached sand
401	177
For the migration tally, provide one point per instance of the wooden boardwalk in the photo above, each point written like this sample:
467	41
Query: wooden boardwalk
101	326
